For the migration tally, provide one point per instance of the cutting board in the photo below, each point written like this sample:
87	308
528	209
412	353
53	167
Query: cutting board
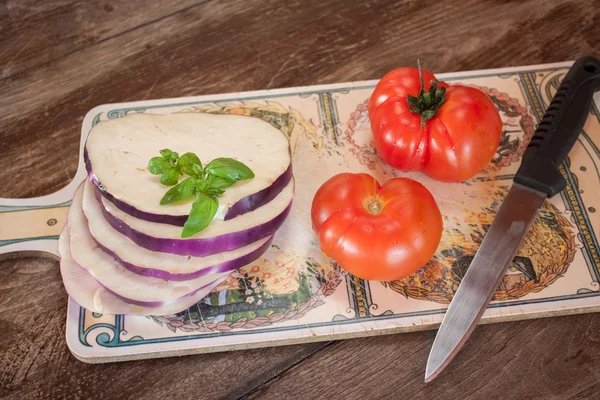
294	294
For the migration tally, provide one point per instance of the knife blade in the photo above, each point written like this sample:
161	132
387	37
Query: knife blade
538	178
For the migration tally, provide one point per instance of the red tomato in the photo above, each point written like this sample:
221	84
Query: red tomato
450	133
376	232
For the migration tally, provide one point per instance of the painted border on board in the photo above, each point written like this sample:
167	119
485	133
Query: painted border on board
120	324
329	111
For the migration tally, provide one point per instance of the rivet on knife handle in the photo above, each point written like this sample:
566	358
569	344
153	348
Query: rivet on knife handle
559	128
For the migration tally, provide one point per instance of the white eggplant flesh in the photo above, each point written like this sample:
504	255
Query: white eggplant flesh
89	294
218	237
118	152
113	276
158	264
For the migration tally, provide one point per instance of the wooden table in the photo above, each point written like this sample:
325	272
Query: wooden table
60	58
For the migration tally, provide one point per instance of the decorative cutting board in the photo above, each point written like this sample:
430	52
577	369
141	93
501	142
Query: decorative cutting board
294	294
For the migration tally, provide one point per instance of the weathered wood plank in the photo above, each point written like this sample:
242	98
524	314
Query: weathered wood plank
35	32
132	54
545	358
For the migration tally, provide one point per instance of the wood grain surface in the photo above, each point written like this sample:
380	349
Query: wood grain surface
59	58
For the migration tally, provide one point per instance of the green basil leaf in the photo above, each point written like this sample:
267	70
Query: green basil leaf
173	156
229	168
156	165
215	192
218	182
186	162
169	177
202	213
198	184
165	153
180	192
197	170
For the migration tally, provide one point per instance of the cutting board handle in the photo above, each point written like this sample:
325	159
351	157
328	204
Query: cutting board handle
30	227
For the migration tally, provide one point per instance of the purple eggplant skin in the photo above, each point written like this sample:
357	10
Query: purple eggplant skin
230	265
198	247
154	303
242	206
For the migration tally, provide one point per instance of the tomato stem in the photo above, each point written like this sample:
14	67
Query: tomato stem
427	99
427	103
374	206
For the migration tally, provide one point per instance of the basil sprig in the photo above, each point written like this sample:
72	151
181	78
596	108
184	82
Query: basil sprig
205	184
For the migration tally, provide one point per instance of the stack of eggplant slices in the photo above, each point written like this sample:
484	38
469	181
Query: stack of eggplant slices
123	252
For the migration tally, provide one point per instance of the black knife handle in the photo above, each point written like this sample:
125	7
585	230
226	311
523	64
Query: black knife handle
559	128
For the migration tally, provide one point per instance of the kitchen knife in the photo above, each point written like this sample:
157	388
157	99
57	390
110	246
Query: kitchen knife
538	178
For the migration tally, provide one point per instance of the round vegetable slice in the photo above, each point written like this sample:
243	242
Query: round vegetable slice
225	266
247	204
218	237
164	265
135	288
89	294
118	152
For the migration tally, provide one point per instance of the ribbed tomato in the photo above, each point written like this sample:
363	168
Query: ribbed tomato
450	133
376	232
